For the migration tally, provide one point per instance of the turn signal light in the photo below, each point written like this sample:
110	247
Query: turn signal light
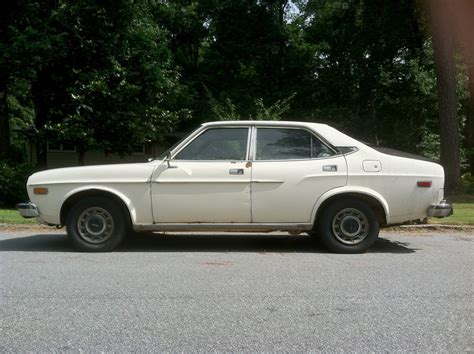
424	184
40	191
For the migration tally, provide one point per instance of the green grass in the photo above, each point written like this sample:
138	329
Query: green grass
12	216
463	215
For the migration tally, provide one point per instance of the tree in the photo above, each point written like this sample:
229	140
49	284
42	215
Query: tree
441	15
362	68
6	17
100	74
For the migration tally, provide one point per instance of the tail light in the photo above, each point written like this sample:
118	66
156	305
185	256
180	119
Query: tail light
423	184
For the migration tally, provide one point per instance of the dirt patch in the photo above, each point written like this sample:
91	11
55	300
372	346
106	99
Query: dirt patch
430	228
28	227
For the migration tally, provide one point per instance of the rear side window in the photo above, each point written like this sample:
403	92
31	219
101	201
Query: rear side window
217	144
289	144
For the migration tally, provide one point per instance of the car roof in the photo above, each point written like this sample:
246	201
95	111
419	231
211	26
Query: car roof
263	122
332	135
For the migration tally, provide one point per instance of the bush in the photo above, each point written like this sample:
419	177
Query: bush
13	177
468	183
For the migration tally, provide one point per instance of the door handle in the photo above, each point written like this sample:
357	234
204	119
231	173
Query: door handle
330	168
236	171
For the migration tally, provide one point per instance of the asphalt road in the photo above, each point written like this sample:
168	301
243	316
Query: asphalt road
412	292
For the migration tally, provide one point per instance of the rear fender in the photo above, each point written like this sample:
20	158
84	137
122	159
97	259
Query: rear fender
340	191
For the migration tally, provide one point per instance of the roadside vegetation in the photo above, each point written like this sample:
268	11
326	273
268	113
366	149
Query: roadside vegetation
12	216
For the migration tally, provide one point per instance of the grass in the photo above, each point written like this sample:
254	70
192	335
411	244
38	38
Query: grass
463	215
12	216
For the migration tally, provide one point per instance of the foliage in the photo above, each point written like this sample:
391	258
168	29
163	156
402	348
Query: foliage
108	75
99	75
274	111
13	178
227	110
468	183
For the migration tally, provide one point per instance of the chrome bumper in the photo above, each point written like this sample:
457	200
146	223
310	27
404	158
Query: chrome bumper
28	210
441	210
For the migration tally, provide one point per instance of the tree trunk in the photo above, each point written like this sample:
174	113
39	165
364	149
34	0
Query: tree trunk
4	119
38	89
469	129
443	45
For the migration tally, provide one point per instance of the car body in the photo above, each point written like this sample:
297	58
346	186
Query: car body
244	176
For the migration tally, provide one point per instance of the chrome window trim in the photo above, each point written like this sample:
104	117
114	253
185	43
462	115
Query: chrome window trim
201	131
249	140
310	131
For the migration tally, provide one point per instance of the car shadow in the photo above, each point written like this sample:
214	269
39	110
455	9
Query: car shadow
154	242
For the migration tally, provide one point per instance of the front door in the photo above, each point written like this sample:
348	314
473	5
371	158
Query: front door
208	181
291	170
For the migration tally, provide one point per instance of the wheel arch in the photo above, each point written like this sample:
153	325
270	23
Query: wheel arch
76	195
373	199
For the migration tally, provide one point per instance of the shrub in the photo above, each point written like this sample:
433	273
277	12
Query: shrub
13	177
468	183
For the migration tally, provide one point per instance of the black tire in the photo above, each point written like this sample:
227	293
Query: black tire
314	236
97	224
348	226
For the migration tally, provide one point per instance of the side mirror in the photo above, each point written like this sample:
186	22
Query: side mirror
168	158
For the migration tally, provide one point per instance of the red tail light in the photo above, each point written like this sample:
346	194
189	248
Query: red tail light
424	184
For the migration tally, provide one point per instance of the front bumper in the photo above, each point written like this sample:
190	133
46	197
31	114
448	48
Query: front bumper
441	210
28	210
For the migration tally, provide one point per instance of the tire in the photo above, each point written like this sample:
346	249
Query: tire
348	226
97	224
314	236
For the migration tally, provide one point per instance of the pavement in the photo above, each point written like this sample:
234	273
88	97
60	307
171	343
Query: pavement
258	292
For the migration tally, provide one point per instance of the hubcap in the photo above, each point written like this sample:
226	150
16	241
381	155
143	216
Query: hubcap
95	225
350	226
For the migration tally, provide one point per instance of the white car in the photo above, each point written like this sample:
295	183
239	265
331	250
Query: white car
244	176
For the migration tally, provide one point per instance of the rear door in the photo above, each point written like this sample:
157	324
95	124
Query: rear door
292	168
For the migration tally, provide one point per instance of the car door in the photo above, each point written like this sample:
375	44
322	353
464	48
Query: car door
292	168
207	181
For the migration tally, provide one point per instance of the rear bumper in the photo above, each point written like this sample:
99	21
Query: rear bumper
441	210
28	210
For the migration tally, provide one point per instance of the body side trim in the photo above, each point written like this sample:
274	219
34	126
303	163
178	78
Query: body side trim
222	227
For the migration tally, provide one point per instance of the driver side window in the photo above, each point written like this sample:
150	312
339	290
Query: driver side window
217	144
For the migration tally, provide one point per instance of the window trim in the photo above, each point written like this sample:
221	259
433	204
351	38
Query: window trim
198	134
61	148
311	132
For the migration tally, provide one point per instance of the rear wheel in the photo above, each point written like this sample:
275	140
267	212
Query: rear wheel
97	224
348	226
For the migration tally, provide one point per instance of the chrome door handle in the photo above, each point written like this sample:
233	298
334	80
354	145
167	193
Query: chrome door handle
236	171
330	168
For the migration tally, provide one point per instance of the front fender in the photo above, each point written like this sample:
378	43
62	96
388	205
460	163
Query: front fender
127	201
348	190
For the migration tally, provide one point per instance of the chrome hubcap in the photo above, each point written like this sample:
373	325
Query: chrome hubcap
350	226
95	225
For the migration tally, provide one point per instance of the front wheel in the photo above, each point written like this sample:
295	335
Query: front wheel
348	226
96	225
